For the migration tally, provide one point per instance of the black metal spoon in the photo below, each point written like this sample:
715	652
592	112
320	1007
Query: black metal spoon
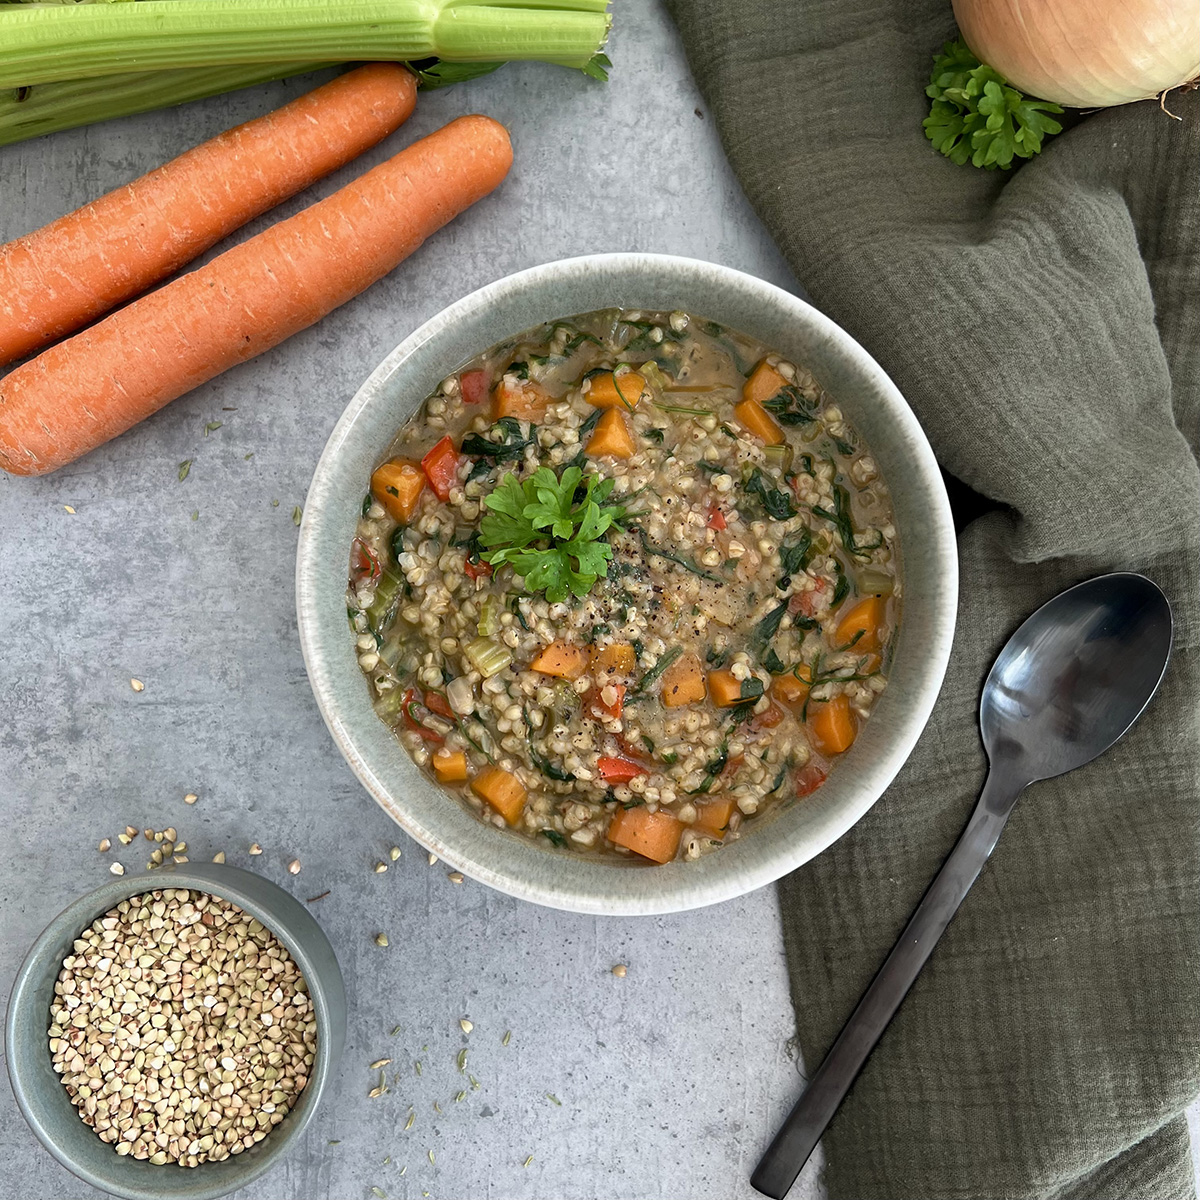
1067	685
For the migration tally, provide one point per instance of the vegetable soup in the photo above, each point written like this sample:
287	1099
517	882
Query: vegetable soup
624	583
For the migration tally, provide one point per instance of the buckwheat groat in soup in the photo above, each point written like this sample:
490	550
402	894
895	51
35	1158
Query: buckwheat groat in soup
624	583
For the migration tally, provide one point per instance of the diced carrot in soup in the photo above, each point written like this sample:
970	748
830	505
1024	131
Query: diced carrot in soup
764	382
613	707
502	790
759	422
713	815
683	682
617	659
724	688
611	436
860	625
524	400
615	391
561	659
609	390
790	690
832	726
450	766
398	485
653	835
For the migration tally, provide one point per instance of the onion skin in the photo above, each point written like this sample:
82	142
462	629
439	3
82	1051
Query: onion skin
1085	53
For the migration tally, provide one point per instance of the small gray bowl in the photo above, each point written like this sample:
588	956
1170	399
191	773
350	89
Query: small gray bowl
792	833
43	1100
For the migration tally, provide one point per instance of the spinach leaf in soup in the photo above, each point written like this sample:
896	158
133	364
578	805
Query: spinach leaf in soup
712	771
768	627
507	442
543	764
842	587
586	428
776	503
843	522
773	662
481	469
790	407
795	557
574	342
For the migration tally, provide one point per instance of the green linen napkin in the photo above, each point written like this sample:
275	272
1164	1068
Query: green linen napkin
1043	323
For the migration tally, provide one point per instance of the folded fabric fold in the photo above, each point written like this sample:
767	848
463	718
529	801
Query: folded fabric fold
1043	323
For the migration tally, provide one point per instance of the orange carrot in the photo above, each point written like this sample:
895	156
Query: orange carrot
94	386
653	835
860	625
792	688
450	765
611	436
398	485
615	391
683	682
832	727
714	815
502	790
760	422
724	688
562	659
763	383
617	659
525	401
63	275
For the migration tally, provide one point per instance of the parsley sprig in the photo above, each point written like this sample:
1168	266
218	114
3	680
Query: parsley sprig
977	117
550	530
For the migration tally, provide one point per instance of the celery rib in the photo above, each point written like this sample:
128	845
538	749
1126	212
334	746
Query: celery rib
30	112
54	43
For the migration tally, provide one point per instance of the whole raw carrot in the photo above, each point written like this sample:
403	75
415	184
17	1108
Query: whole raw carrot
63	275
84	391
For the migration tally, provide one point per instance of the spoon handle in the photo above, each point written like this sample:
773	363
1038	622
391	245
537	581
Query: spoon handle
796	1140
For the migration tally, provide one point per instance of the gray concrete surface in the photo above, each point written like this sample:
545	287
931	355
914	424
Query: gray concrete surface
672	1079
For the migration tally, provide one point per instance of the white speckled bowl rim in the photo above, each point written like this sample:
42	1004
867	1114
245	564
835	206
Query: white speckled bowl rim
791	835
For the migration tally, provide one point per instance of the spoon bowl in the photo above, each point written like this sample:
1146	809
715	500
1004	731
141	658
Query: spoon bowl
1076	675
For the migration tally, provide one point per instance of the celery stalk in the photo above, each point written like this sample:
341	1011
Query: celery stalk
489	617
29	112
780	457
487	656
50	43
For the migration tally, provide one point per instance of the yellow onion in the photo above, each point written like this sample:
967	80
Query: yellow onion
1086	53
